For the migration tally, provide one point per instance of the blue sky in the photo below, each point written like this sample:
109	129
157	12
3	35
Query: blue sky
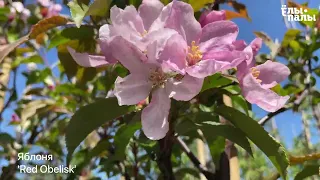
266	16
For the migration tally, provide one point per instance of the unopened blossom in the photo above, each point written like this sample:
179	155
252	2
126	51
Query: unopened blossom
209	49
256	81
129	23
153	73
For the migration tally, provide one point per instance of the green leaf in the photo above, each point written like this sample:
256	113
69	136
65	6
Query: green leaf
122	138
212	129
198	4
5	138
90	117
77	12
290	35
241	104
136	3
307	171
214	81
32	59
97	8
31	108
274	150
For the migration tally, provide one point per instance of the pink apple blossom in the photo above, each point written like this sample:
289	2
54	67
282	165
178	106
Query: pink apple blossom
49	8
129	23
209	49
153	72
256	81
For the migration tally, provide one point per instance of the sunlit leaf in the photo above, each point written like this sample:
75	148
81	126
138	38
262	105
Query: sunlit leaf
198	4
290	35
47	24
31	108
214	81
97	8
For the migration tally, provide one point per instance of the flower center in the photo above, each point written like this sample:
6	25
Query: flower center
255	73
194	53
144	33
158	78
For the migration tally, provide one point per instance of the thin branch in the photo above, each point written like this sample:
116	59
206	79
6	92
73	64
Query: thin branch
195	161
296	102
265	119
301	159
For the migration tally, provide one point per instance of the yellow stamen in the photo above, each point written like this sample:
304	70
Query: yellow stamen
194	53
255	73
144	33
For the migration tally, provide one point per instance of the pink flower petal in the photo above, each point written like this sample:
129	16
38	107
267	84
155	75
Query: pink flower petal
264	98
216	61
160	36
154	117
180	17
220	32
175	51
126	23
128	55
86	60
209	17
186	89
272	73
149	11
104	40
256	45
132	89
240	45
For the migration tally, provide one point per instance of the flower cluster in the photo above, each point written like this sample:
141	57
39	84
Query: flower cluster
17	8
169	53
49	8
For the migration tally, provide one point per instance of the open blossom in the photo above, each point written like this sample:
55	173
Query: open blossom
256	81
129	23
156	75
209	49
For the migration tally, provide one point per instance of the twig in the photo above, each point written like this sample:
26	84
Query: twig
296	102
265	119
195	161
301	159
